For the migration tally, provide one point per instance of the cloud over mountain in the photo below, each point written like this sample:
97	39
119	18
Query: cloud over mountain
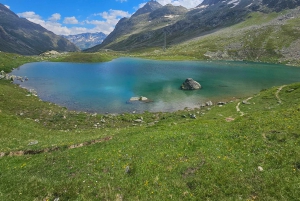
184	3
102	22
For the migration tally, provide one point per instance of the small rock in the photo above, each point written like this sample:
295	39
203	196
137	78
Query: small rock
221	103
138	121
134	99
119	197
193	116
142	98
246	102
260	169
33	143
127	169
209	103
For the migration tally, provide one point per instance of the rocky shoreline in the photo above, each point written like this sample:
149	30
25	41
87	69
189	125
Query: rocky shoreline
12	78
7	76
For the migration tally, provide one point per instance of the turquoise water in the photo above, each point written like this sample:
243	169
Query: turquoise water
106	87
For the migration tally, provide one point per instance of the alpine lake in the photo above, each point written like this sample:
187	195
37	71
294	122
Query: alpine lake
107	87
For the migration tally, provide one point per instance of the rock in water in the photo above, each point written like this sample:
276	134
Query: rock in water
190	84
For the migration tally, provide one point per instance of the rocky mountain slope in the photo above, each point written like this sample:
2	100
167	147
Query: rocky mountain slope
147	29
86	40
144	28
18	35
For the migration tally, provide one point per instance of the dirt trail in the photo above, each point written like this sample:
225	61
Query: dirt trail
48	150
277	93
238	106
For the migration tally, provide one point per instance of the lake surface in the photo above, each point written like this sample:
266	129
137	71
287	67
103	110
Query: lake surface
106	87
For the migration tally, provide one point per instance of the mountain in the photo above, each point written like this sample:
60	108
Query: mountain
86	40
147	8
148	27
18	35
279	5
142	27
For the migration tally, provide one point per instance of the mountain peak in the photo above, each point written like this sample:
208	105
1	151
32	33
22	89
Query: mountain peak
86	40
150	6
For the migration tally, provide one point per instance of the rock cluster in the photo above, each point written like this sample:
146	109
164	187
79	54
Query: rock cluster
190	84
141	99
6	76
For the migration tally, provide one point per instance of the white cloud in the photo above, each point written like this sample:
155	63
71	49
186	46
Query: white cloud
184	3
49	24
122	1
30	15
72	26
55	17
7	6
141	5
110	19
70	20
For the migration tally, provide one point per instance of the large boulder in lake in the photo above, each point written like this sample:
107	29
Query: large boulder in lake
190	84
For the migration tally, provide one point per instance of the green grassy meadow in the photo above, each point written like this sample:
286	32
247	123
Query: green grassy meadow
234	152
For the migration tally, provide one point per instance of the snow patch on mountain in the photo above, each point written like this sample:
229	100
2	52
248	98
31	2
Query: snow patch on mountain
86	40
234	2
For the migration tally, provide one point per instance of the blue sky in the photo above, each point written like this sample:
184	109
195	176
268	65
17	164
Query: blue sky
68	17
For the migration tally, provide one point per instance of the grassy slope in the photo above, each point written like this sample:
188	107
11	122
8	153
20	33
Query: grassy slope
255	39
86	57
8	61
177	158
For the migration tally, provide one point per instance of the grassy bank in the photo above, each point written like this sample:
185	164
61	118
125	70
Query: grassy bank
79	57
9	61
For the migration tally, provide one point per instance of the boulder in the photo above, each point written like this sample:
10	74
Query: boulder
139	99
221	103
209	103
190	84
